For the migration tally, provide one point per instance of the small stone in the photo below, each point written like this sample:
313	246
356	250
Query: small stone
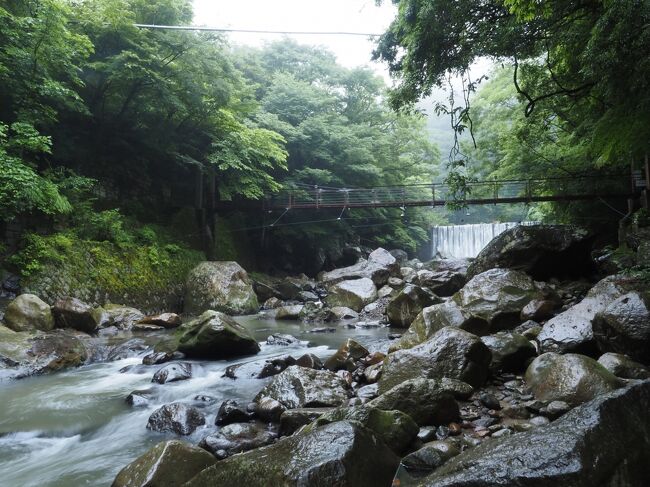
156	358
454	429
501	433
539	421
280	339
230	412
427	433
173	372
489	401
442	432
555	409
139	398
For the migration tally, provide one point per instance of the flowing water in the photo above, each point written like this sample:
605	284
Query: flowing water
466	241
74	428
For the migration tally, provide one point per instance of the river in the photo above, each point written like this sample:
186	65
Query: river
74	428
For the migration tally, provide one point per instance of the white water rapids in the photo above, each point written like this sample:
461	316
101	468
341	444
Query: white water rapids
74	428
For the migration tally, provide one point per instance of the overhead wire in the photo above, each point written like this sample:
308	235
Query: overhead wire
255	31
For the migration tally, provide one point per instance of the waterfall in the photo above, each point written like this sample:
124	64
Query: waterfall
464	241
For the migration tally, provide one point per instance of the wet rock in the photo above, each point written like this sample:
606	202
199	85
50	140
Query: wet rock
28	312
400	255
268	409
307	296
555	409
395	428
510	351
293	419
230	412
489	401
214	335
237	438
446	277
425	460
146	328
427	401
220	286
272	303
347	356
323	329
283	340
165	320
379	267
624	367
173	372
373	373
572	329
354	294
403	309
288	312
275	366
176	418
451	352
538	309
129	348
540	250
327	456
341	313
139	399
624	326
601	443
73	313
292	287
310	361
168	464
122	317
299	387
156	358
571	378
530	329
368	392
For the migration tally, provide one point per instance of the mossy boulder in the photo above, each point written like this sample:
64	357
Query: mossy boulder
410	301
221	286
623	366
168	464
342	454
28	312
215	335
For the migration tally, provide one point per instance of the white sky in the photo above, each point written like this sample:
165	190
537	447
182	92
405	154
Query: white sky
303	15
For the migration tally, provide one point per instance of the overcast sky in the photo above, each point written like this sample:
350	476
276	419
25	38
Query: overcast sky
303	15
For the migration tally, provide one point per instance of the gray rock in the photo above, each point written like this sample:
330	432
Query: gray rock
176	418
220	286
425	460
538	309
122	317
166	320
571	378
341	313
624	367
379	267
343	454
28	312
230	412
310	361
354	294
347	356
173	372
602	443
410	301
451	352
299	387
73	313
280	339
268	409
156	358
368	392
446	276
510	351
624	326
139	399
237	438
214	335
288	312
168	464
294	419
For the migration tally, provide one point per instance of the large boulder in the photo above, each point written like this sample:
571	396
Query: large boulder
624	326
427	401
410	301
73	313
173	373
450	352
117	315
540	250
347	356
220	286
166	320
176	418
28	312
395	428
510	351
237	438
342	454
214	335
379	267
299	387
168	464
354	294
622	366
571	378
443	277
572	331
603	443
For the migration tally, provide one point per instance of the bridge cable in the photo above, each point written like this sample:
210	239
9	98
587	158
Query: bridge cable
254	31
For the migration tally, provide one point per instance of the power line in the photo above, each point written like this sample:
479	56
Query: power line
254	31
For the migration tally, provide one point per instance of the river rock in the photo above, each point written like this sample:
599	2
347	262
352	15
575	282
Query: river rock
157	358
176	418
450	352
540	250
572	330
510	351
299	387
294	419
445	277
230	412
122	317
602	443
168	464
282	340
292	287
572	378
288	312
342	454
425	460
400	255
268	409
173	372
310	361
624	326
276	365
347	356
215	336
221	286
379	267
538	309
395	428
138	399
427	401
624	367
410	301
73	313
237	438
165	320
354	294
28	312
341	313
